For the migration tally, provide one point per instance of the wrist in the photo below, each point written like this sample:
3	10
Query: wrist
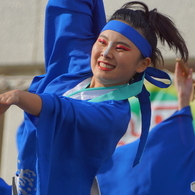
17	95
183	102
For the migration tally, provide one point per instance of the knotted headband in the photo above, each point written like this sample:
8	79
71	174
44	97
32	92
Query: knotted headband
136	38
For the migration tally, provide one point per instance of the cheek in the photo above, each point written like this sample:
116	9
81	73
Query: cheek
95	54
93	57
124	62
128	61
95	49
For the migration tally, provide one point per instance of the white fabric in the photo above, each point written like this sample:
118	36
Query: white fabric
95	188
15	185
86	95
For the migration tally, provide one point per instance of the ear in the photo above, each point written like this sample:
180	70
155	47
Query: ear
143	64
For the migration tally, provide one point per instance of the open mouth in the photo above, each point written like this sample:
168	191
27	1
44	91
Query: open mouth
105	66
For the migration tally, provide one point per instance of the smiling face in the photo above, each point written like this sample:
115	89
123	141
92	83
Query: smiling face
114	60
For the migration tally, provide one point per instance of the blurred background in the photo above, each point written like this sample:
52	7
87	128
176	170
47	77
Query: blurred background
22	57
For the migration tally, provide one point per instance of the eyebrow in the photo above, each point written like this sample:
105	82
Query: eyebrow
118	42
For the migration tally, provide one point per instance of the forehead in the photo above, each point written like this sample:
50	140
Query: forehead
112	34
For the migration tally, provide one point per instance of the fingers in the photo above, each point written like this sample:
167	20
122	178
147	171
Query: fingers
4	105
190	74
183	68
179	76
5	100
9	98
182	72
184	83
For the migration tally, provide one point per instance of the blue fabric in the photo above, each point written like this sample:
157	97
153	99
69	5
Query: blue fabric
167	164
65	155
145	107
5	189
71	148
67	46
139	41
151	73
68	152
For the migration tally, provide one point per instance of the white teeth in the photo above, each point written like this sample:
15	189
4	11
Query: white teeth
106	66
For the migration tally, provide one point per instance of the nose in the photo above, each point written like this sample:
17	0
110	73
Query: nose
106	52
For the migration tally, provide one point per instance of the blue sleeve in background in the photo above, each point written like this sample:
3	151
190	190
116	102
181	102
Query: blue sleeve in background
167	166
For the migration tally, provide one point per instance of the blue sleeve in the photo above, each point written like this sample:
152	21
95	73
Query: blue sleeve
71	28
78	114
70	31
166	166
76	136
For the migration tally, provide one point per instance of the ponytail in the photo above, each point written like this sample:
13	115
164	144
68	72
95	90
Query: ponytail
153	26
167	32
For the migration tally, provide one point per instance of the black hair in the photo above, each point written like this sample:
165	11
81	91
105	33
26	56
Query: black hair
153	25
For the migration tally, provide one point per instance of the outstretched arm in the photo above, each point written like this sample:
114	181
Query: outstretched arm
28	102
183	83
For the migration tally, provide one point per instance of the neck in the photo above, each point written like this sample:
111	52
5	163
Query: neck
94	84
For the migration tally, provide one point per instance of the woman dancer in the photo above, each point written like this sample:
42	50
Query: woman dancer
73	113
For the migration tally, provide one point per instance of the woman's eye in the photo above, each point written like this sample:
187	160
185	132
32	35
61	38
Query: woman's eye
102	41
122	48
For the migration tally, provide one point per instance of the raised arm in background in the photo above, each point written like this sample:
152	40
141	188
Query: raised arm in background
183	83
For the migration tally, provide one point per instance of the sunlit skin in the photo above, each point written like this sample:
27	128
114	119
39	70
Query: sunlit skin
183	84
115	60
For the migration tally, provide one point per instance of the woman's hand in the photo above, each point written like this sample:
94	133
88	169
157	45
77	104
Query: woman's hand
7	99
28	102
184	83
